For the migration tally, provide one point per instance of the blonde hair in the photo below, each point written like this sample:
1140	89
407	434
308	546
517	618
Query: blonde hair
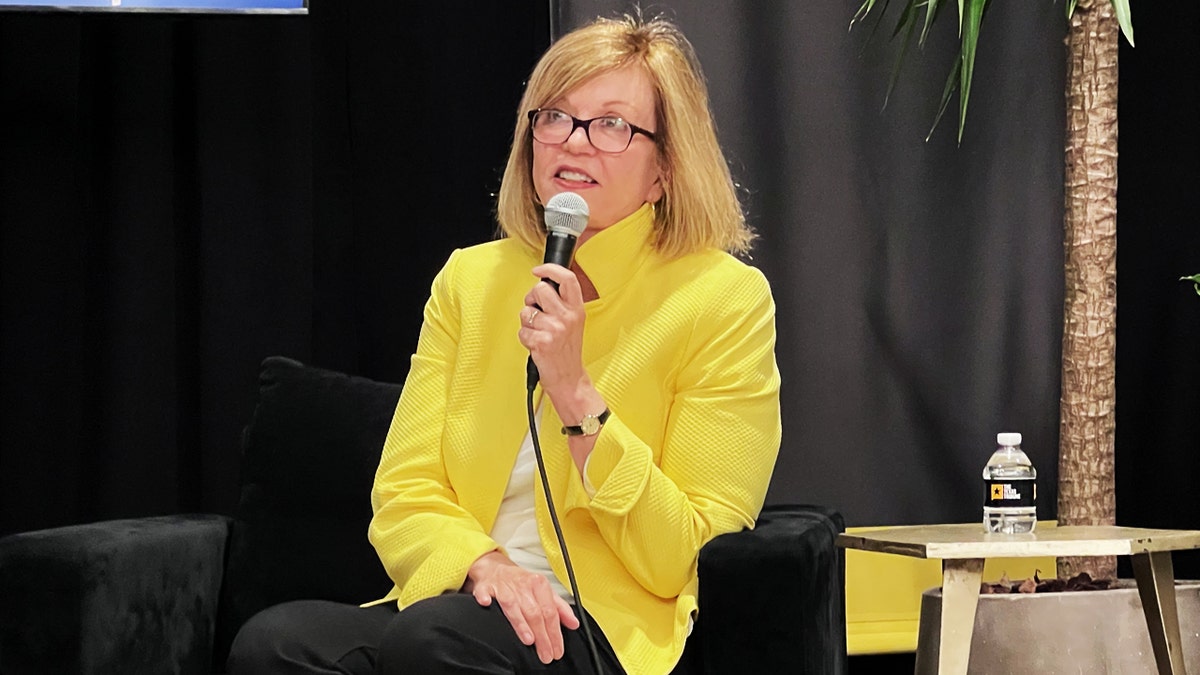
699	208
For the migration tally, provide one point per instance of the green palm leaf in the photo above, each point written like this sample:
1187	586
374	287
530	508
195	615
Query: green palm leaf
947	92
1121	7
932	7
970	40
906	24
1194	279
970	23
864	10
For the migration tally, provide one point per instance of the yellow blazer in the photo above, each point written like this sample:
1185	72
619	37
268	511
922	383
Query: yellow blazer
683	352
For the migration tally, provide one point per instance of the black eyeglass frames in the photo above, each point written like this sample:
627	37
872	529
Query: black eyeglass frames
607	134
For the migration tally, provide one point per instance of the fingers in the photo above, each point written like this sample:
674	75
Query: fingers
545	299
535	612
547	635
566	615
551	327
484	598
568	284
514	611
545	321
538	329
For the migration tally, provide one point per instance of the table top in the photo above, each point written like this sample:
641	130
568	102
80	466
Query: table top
970	541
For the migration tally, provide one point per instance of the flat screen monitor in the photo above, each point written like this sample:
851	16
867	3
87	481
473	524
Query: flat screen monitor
199	6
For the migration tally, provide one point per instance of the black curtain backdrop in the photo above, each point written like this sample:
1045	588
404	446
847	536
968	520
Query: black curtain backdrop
183	196
919	284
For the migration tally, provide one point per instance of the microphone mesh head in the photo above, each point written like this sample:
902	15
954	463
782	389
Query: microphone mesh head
566	213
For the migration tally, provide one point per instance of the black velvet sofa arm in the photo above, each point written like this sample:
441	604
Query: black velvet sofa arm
121	596
772	599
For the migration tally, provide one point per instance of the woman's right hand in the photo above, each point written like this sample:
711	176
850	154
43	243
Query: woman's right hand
536	612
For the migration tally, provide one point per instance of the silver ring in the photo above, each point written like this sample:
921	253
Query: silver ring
529	322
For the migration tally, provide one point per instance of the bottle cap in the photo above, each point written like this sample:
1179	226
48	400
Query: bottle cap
1009	438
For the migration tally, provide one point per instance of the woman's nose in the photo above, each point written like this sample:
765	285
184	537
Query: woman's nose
578	140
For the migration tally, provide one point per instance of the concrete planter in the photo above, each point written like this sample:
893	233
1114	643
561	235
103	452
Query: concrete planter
1074	632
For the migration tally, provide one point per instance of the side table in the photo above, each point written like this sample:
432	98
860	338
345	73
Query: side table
962	548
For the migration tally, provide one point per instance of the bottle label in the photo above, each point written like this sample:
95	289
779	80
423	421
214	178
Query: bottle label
1010	492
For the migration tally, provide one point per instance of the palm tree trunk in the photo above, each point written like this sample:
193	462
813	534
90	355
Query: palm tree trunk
1086	477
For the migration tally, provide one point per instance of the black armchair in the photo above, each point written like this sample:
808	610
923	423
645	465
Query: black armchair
167	594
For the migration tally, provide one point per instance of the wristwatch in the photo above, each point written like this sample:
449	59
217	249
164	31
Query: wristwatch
588	426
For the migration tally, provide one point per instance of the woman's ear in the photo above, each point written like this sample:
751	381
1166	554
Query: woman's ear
656	191
659	187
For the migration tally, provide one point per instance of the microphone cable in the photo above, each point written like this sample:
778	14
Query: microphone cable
566	216
584	619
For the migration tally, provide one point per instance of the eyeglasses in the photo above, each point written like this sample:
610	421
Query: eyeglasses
606	134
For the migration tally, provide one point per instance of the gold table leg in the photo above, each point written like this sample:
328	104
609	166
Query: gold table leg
1156	586
960	597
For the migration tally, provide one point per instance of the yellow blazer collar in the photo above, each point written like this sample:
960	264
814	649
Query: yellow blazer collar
612	256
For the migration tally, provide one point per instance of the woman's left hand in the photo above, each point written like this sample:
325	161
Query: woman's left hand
552	328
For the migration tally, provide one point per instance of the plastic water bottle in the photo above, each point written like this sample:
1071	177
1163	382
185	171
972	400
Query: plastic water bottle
1010	484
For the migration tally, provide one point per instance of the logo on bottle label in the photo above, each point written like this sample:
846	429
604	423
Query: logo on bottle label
1011	492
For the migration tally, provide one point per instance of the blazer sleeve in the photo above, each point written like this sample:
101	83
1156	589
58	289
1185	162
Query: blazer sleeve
722	438
424	538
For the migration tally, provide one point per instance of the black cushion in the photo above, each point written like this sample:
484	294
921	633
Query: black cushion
119	596
309	459
771	598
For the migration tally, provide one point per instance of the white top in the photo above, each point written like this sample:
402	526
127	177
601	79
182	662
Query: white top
515	529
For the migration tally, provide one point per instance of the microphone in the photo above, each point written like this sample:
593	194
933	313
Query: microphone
566	217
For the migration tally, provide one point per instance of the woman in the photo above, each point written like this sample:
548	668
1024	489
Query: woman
658	405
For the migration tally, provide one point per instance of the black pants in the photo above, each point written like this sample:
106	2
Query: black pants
448	634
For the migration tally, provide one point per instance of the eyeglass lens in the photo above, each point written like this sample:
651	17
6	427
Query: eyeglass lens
608	134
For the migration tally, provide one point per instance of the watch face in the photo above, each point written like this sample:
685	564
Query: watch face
590	425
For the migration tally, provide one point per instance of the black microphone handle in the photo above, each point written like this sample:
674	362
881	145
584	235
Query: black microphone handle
560	248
